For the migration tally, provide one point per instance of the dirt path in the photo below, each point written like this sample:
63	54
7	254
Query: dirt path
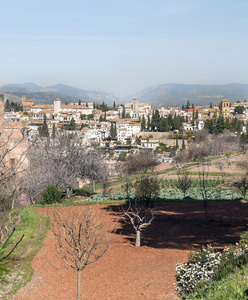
148	272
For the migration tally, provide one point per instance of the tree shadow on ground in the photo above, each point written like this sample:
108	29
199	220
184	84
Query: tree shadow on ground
180	225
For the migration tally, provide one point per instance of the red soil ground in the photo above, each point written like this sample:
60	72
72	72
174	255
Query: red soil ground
148	272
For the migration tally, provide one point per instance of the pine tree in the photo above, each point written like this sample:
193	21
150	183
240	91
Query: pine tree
79	102
114	105
105	117
72	125
87	104
100	119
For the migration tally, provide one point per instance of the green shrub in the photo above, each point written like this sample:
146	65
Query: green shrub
51	195
206	266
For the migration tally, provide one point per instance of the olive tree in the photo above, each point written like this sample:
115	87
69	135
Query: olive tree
146	189
184	182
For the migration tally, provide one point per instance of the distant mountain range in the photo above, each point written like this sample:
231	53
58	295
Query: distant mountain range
178	94
161	95
66	93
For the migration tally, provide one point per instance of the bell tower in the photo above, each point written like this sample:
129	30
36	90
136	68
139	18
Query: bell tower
225	107
135	104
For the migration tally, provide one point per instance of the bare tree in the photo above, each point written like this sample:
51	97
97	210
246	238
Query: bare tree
12	165
61	162
142	162
82	236
184	182
140	218
242	185
203	172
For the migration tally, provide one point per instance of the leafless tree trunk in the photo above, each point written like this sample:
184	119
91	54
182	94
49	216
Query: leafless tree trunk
139	218
203	171
82	236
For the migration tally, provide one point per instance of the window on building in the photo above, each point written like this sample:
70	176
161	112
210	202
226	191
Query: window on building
12	161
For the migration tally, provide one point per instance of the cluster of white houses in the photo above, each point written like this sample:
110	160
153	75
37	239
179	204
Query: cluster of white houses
126	129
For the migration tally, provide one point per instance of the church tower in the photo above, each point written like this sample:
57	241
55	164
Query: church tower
225	107
57	106
135	104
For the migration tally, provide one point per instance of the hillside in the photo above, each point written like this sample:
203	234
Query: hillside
177	94
161	95
64	92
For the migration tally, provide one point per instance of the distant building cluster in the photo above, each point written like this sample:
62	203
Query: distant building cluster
121	125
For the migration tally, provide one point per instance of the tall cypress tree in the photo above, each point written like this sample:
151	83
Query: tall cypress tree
53	132
196	114
148	123
152	121
105	117
112	129
123	112
183	145
43	130
177	146
143	123
167	128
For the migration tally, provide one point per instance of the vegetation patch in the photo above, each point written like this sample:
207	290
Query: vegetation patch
206	266
17	270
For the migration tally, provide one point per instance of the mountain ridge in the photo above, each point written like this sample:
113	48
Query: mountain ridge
157	95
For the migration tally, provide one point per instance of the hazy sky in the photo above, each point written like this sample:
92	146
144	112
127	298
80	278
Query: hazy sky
123	46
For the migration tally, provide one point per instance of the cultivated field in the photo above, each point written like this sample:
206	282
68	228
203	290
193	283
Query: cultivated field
148	272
